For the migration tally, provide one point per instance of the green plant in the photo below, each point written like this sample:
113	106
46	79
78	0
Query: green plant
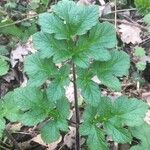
142	133
143	6
72	35
139	53
3	66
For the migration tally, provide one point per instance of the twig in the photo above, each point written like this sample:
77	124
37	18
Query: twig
76	108
115	14
124	22
102	2
116	20
12	139
122	10
19	21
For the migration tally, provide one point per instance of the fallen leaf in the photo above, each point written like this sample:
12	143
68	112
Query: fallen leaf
50	146
105	9
10	76
14	127
86	2
18	54
146	58
70	94
21	51
69	138
130	34
146	97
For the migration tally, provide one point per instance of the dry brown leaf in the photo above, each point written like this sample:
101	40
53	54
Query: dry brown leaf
51	146
146	58
10	76
18	54
14	127
69	138
70	93
86	2
146	97
130	34
105	9
21	51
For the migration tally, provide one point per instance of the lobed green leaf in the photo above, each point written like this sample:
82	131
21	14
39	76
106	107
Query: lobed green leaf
89	89
39	70
69	19
108	71
3	67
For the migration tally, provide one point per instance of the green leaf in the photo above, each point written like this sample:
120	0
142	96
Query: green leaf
119	113
42	42
45	2
126	111
48	46
147	19
9	109
141	65
69	19
2	126
33	105
132	111
96	139
63	113
51	131
141	132
143	6
89	89
81	60
3	67
10	30
108	71
51	23
56	89
119	134
39	70
3	50
95	45
139	52
2	120
114	116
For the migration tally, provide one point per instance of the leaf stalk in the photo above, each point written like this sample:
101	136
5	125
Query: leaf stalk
76	108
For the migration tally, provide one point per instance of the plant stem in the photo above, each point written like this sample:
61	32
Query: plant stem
76	108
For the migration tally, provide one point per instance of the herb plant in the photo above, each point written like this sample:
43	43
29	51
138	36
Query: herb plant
71	35
143	6
3	66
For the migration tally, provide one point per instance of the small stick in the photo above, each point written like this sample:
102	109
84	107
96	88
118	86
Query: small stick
19	21
12	139
76	108
124	22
